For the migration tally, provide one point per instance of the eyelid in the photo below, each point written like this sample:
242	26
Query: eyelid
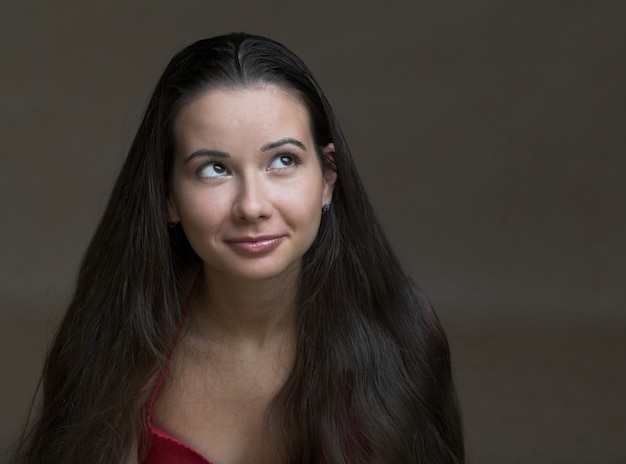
294	158
211	161
208	163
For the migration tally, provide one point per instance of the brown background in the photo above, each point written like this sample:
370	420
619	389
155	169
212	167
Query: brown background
490	135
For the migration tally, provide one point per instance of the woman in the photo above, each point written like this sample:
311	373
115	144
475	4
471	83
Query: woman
238	302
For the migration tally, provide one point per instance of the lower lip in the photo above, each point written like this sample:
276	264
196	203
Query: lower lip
259	246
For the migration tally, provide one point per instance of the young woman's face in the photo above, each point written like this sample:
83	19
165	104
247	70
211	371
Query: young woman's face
247	183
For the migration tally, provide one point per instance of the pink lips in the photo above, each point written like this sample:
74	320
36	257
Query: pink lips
252	245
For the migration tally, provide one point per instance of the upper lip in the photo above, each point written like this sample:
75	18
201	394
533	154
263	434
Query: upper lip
254	238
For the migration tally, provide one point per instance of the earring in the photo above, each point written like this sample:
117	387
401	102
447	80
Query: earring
171	224
327	207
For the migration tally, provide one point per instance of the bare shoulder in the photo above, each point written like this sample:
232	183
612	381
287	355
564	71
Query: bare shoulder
217	403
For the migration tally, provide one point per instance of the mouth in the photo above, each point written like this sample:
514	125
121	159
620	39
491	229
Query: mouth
255	245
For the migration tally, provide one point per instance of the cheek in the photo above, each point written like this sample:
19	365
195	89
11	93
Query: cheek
304	202
202	210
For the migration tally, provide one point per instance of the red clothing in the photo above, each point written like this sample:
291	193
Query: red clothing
164	448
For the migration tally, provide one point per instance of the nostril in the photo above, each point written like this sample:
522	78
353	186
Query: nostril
252	202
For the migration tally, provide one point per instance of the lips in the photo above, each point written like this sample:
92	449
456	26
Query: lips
255	245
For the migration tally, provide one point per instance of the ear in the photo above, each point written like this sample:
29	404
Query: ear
172	211
329	171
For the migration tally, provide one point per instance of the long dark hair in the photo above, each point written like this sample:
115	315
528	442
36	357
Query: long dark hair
371	380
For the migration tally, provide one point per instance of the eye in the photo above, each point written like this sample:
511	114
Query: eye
283	161
212	170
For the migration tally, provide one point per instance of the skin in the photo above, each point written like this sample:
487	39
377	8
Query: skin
248	188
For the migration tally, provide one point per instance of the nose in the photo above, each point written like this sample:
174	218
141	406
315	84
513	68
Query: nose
252	202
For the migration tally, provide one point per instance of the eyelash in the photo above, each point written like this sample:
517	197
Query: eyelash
214	164
293	159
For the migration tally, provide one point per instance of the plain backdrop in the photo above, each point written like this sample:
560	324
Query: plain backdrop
490	136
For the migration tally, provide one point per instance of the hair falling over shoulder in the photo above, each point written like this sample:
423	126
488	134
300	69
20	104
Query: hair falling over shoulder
372	378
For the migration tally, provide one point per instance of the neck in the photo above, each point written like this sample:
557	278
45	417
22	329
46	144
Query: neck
246	312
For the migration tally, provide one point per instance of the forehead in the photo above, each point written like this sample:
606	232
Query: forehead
262	110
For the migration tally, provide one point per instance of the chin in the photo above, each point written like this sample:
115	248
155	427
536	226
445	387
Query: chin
255	272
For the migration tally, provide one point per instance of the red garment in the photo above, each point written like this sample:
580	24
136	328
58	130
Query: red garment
164	448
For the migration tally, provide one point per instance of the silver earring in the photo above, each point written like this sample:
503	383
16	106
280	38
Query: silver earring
327	207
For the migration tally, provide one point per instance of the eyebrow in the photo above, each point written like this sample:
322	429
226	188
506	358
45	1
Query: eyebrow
266	147
206	152
281	142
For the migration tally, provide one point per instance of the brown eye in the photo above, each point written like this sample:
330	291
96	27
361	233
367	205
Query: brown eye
283	161
212	170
